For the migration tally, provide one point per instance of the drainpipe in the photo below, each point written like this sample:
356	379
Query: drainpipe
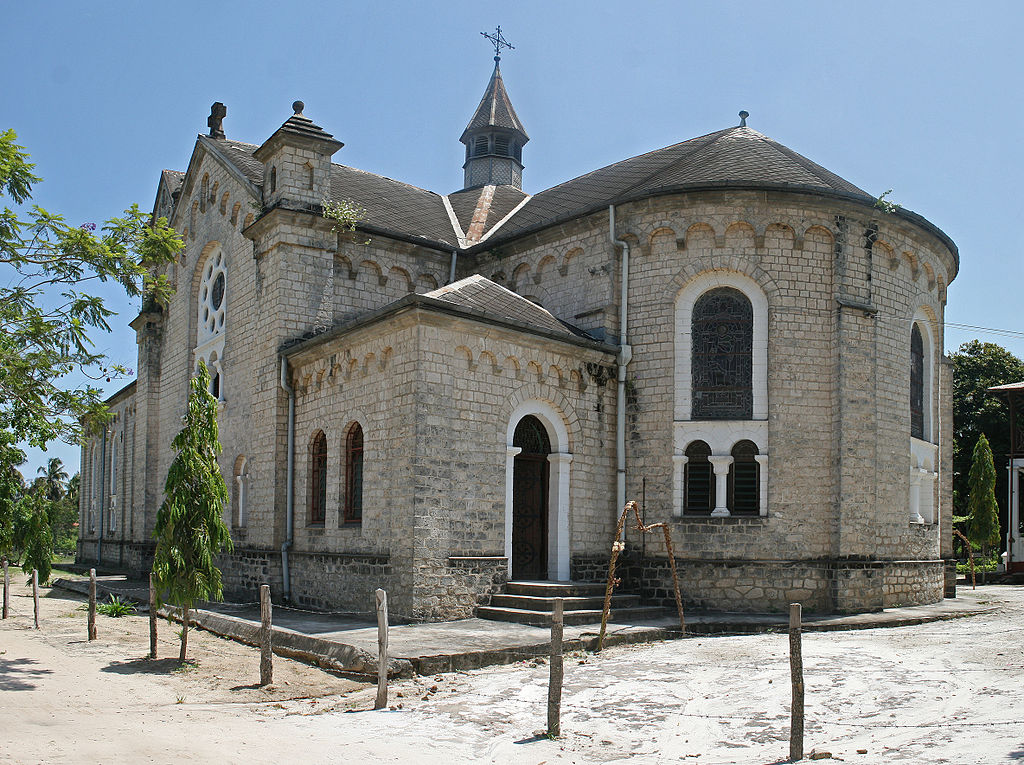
451	269
625	356
103	499
290	498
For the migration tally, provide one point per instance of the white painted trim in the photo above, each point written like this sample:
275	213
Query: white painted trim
455	222
685	301
559	551
679	489
504	220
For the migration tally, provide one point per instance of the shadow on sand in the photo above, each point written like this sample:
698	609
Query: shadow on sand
17	674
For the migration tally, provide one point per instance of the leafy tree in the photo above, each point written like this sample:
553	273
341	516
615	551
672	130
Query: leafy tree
983	512
976	367
12	511
45	312
38	539
55	477
64	519
190	529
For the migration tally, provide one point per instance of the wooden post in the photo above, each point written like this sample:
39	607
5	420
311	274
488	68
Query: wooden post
152	618
92	604
796	670
555	677
382	650
35	596
266	637
7	589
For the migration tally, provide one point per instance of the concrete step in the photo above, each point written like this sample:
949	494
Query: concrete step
588	616
555	589
571	603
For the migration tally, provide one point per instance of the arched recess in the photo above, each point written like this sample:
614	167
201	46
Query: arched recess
685	302
924	322
559	459
240	493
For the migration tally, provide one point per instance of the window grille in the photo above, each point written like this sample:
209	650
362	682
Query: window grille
744	484
700	479
531	436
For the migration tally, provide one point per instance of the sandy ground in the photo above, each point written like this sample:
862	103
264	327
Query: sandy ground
945	692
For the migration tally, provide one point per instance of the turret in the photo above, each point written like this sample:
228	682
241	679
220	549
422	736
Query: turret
494	139
297	162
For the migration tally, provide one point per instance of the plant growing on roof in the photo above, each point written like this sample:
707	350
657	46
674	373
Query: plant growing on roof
190	529
345	213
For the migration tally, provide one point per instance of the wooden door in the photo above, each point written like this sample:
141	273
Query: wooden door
530	517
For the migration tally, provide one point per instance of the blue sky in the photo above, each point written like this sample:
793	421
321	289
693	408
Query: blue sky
919	97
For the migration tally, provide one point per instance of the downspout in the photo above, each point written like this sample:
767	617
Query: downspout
451	269
103	499
625	356
286	584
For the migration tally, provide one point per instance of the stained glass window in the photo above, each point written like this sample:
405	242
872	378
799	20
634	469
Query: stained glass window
722	356
916	383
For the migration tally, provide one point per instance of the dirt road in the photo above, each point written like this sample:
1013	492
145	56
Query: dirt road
942	692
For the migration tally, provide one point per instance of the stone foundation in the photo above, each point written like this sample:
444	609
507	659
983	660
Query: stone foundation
821	586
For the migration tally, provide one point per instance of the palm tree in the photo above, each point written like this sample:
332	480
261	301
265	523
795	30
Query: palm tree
55	476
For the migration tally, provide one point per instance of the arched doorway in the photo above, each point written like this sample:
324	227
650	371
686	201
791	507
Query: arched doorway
530	493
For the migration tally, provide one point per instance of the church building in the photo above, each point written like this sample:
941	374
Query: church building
465	389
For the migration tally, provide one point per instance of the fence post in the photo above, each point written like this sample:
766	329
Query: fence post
382	650
7	589
796	670
152	617
555	678
92	604
266	637
35	596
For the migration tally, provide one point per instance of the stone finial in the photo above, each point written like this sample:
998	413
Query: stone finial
216	120
743	117
298	106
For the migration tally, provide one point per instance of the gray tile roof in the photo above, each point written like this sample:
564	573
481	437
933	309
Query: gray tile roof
478	293
495	109
736	156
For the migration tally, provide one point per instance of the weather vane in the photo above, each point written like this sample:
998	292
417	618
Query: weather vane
498	42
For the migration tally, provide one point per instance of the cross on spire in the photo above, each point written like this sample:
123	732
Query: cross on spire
498	42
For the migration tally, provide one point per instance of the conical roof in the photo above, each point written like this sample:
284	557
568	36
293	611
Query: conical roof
495	109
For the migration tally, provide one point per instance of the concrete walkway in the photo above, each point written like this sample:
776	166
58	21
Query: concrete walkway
349	644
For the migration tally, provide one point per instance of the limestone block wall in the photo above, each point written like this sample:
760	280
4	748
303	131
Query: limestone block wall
844	284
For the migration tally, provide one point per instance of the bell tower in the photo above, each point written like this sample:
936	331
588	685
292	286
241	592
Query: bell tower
494	137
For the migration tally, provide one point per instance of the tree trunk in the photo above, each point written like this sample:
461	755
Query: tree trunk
184	633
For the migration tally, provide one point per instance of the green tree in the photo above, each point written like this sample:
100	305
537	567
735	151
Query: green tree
982	510
55	477
190	529
46	314
12	512
38	539
64	519
976	367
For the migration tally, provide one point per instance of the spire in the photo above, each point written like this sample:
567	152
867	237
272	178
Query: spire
494	137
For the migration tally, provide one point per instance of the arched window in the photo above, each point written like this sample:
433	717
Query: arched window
204	193
916	383
318	479
744	480
700	479
354	474
722	356
273	180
